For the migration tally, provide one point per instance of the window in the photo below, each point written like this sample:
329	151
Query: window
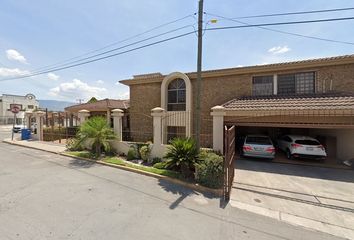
298	83
262	85
30	106
305	83
176	96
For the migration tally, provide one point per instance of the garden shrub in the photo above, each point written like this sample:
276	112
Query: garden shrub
132	153
160	165
182	155
154	160
145	151
209	170
73	144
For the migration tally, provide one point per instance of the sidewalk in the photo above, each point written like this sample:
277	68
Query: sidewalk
44	146
312	197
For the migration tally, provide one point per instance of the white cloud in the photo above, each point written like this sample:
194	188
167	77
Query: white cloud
14	55
53	76
12	72
124	95
100	82
279	49
76	89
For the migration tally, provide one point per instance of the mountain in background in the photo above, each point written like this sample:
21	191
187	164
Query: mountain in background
54	105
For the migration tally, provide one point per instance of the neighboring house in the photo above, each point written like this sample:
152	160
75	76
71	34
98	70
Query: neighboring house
313	97
102	108
27	102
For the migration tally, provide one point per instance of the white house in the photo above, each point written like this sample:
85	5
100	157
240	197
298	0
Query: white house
27	102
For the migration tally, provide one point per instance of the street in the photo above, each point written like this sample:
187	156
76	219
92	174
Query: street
48	196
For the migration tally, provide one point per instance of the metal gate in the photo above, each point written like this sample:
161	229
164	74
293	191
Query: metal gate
59	127
229	160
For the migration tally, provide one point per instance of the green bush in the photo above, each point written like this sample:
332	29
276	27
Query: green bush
154	160
132	153
209	170
160	165
145	152
73	144
182	155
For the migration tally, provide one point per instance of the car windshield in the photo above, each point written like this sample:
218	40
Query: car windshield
258	140
307	142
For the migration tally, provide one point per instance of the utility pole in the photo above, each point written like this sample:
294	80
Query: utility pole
199	72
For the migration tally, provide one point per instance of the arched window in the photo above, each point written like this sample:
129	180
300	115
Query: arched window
176	95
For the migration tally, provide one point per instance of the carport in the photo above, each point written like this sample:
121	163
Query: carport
327	117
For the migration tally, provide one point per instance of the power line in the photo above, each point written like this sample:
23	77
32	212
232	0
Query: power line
281	23
101	58
116	49
283	32
296	13
115	43
179	36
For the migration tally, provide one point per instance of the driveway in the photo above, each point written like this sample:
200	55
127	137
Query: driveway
48	196
313	195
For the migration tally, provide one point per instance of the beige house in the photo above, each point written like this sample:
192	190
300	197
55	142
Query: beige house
313	97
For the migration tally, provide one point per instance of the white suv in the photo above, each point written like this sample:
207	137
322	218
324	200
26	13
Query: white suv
301	146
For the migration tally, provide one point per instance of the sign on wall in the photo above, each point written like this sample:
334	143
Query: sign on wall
15	108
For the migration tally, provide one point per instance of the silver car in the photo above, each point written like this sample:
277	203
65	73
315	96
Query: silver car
258	146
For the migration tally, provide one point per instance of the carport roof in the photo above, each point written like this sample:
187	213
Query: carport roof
304	102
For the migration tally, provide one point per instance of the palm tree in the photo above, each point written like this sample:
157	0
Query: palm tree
96	132
182	155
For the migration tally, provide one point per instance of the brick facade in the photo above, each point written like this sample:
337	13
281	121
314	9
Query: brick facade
223	86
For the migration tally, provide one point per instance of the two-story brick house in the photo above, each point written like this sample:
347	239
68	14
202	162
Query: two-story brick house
313	97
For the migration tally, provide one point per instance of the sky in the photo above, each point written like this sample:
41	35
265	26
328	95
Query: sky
35	34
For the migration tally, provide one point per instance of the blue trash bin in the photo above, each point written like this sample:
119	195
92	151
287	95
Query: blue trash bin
25	134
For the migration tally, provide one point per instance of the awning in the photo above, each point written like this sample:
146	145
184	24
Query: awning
325	110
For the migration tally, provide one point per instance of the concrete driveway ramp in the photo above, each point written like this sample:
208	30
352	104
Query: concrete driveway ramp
313	197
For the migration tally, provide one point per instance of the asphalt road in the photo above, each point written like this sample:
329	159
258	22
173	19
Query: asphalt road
48	196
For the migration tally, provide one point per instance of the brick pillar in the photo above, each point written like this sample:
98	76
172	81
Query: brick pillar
218	113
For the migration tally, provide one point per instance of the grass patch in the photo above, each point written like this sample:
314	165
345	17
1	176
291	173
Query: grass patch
163	172
122	162
83	154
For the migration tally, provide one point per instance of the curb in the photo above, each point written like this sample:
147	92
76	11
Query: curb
196	187
308	223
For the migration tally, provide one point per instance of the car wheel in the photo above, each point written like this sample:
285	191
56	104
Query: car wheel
288	154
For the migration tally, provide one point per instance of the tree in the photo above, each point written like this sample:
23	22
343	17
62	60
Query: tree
92	100
96	132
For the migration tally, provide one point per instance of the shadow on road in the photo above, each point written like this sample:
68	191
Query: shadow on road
77	163
183	192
